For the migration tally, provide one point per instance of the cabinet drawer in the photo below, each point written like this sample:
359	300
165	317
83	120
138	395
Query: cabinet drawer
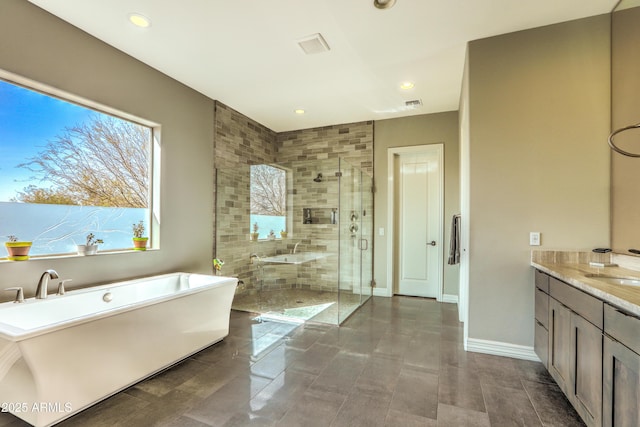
542	308
585	305
542	281
623	327
541	343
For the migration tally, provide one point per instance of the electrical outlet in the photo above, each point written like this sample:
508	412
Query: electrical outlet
534	238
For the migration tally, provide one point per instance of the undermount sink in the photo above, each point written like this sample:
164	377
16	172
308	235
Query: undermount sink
614	280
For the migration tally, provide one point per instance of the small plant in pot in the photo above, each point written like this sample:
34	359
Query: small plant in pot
217	265
255	234
139	239
283	234
17	250
91	245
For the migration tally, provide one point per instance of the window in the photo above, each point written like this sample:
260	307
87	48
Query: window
67	170
268	200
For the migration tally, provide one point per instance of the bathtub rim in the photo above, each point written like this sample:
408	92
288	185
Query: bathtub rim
16	334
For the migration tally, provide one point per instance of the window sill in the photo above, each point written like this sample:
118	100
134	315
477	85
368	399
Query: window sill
75	255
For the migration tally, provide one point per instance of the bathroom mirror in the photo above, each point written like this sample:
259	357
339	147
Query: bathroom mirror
625	111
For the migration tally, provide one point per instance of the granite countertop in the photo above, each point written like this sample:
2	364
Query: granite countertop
621	296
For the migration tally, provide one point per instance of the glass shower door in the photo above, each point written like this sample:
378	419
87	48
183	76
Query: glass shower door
366	236
356	221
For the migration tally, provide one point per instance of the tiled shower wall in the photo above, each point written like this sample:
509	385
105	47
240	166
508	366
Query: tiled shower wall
240	142
323	147
352	142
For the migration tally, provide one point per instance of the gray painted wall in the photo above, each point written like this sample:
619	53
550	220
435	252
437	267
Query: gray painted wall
538	119
403	132
41	47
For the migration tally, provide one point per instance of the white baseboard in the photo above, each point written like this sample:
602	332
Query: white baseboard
451	299
381	292
498	348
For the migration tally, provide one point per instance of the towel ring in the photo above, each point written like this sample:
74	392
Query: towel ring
616	148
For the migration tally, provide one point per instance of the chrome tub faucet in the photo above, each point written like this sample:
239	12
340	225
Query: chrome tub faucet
43	283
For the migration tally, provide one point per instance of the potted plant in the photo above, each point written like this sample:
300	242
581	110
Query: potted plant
283	234
217	265
255	234
91	245
18	251
139	240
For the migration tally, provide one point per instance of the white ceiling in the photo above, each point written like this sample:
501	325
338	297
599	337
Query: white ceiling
244	52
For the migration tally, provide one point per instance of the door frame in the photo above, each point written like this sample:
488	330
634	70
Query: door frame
391	154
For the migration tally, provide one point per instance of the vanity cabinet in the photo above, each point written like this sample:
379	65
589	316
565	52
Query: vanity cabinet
593	352
575	348
621	369
541	337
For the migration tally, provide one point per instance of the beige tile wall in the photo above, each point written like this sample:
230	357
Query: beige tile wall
240	142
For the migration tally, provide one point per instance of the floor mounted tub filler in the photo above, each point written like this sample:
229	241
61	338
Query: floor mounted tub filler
62	354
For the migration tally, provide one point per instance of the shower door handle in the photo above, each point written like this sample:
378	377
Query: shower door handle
432	243
363	244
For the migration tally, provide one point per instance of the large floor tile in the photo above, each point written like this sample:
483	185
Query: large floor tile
218	408
341	373
509	407
313	409
402	419
460	387
416	393
552	406
276	399
363	407
381	373
453	416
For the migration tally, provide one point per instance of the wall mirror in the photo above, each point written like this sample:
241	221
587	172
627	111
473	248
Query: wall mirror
625	111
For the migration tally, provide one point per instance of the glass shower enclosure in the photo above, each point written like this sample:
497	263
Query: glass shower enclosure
298	237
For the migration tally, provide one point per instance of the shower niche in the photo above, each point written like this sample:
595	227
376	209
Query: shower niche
319	216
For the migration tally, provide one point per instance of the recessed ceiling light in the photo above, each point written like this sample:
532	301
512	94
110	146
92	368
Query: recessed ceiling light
407	85
139	20
384	4
299	111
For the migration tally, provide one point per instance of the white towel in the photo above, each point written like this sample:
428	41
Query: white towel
454	244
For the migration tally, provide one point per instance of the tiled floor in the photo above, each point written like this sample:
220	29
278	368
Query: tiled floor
395	362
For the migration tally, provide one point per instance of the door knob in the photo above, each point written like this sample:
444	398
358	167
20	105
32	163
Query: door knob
432	243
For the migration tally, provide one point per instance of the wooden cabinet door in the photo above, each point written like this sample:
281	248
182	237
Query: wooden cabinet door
586	370
541	343
621	385
542	308
560	345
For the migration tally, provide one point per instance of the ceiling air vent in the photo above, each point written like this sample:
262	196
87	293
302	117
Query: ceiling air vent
314	43
413	103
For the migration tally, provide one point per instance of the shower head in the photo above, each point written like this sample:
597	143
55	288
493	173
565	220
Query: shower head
318	178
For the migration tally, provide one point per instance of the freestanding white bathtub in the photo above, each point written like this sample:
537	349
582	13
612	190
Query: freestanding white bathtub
62	354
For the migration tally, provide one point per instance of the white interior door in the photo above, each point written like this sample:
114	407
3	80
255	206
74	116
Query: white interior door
420	245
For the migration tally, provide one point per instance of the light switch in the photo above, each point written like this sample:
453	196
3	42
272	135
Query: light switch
381	231
534	238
